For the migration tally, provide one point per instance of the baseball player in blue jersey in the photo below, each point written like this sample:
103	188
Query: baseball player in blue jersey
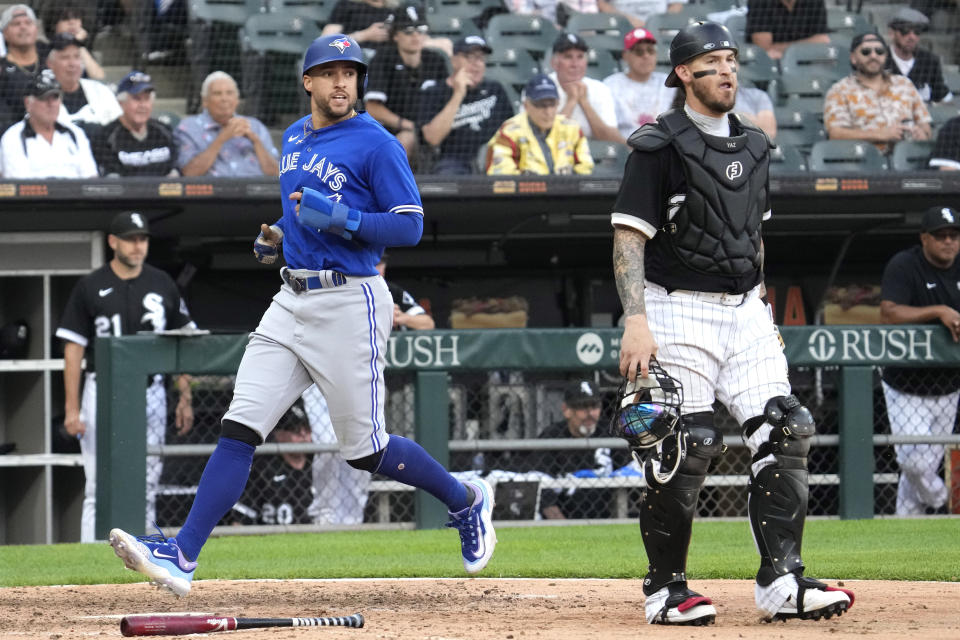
348	193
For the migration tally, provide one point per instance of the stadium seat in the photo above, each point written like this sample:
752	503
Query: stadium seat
840	20
233	12
606	25
316	10
601	64
513	31
756	65
943	112
610	45
813	57
952	79
608	157
738	27
834	156
269	41
803	91
511	66
798	128
461	8
169	118
666	25
443	25
911	155
786	158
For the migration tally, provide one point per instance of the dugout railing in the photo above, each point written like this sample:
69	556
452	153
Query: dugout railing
430	360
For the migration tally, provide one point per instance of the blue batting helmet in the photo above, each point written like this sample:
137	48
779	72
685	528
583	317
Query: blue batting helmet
333	48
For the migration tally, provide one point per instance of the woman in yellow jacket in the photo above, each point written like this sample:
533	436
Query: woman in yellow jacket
538	141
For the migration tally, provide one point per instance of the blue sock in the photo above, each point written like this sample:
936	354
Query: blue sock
221	485
407	462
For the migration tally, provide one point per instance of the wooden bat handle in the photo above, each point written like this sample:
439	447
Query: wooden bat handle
153	625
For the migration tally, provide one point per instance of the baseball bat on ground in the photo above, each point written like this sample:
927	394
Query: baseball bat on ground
176	625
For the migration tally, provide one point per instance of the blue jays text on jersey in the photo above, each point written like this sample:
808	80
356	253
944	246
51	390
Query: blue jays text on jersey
355	162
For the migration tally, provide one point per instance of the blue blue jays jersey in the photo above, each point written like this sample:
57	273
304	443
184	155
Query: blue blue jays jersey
355	162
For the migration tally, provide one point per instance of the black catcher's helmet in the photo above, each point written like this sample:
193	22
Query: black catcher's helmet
695	39
648	410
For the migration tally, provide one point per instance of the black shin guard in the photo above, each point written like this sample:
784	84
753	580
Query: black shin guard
779	492
667	510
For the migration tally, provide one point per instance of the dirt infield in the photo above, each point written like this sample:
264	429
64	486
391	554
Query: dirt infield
475	609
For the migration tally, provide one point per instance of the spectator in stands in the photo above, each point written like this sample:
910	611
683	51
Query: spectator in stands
280	489
399	74
774	25
908	58
460	114
585	100
581	414
135	144
639	93
24	60
86	103
871	104
639	11
40	146
758	107
69	19
538	140
919	286
366	21
220	143
946	151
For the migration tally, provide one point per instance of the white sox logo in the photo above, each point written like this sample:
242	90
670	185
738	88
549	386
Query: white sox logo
734	170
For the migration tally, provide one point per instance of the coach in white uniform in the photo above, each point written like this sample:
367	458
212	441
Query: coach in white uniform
688	261
922	285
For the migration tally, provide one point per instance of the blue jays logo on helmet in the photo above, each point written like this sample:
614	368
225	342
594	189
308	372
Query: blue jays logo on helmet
341	43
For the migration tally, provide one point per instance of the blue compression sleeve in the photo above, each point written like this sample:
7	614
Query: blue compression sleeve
390	229
221	485
407	462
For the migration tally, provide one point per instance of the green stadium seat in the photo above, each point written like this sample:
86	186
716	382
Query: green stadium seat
786	158
803	91
599	24
608	157
911	155
756	65
278	32
666	25
443	25
813	57
511	66
840	20
512	31
798	128
833	156
461	8
233	12
316	10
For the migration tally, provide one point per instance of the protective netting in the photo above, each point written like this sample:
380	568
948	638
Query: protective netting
787	67
496	419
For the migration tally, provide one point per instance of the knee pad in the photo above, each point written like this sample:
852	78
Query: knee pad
241	432
779	492
368	463
667	510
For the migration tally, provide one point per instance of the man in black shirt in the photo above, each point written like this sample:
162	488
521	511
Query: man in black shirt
122	297
946	152
135	144
399	74
688	262
280	488
581	413
460	114
26	57
908	58
921	285
774	25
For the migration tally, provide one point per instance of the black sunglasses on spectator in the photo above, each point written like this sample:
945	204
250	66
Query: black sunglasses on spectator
865	51
904	29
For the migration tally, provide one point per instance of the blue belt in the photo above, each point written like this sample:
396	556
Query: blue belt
323	280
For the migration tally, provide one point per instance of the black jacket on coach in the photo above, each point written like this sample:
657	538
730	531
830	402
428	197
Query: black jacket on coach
926	75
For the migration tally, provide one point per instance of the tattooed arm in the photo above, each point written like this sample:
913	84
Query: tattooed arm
637	344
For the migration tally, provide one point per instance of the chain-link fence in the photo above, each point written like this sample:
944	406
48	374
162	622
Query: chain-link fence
496	419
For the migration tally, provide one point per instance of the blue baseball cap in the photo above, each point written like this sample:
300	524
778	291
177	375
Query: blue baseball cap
135	82
540	87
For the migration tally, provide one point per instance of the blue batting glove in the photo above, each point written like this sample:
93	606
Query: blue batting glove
320	212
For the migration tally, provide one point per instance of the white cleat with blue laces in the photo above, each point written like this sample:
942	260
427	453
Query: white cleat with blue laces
156	557
475	524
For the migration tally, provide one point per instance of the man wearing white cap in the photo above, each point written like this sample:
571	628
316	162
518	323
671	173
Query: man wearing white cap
639	92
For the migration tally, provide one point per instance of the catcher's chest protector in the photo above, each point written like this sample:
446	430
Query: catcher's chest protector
717	229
